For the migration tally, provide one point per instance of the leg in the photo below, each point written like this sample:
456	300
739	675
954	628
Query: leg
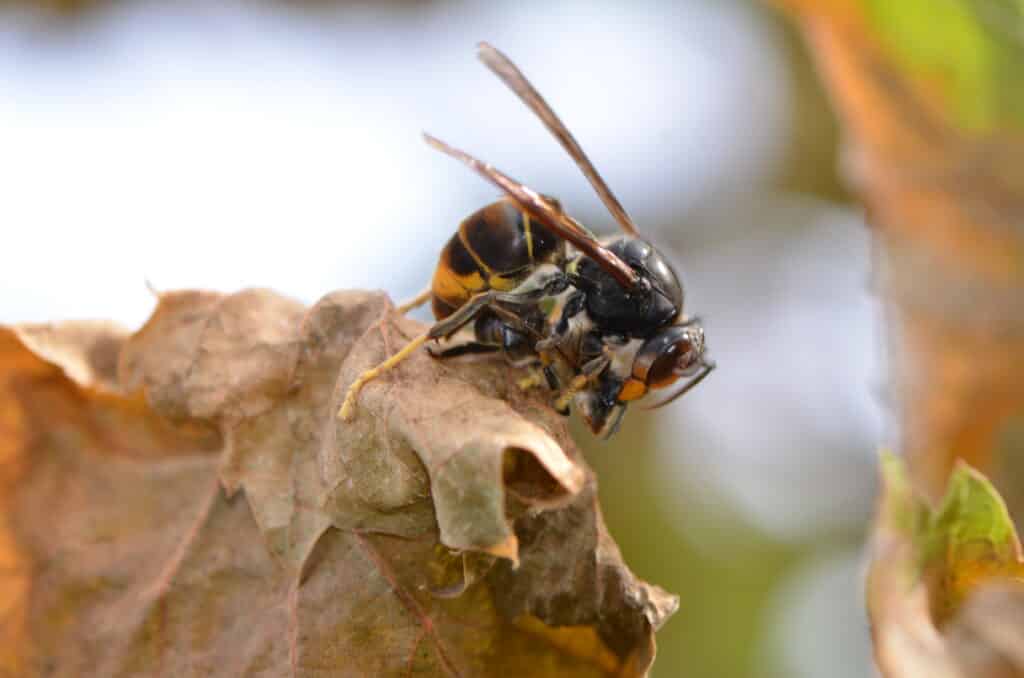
417	301
534	379
538	286
465	348
492	333
543	375
348	406
600	406
602	416
532	290
449	325
472	308
572	307
552	377
581	381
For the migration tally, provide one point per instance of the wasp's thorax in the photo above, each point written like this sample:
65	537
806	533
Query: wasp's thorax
656	302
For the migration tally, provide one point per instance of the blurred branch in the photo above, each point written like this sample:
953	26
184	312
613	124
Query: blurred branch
932	108
931	96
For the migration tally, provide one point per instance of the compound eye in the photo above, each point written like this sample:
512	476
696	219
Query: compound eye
665	368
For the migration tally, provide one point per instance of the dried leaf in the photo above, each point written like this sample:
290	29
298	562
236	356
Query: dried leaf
388	546
987	637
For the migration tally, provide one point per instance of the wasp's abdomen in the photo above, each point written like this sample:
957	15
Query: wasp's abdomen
495	248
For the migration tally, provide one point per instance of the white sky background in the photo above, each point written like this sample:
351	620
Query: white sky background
207	145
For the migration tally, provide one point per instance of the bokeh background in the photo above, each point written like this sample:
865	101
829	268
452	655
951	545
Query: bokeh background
233	144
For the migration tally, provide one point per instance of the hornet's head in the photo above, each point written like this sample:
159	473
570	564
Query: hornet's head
673	353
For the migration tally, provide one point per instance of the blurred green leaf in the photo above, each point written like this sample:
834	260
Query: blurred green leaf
971	51
968	540
971	514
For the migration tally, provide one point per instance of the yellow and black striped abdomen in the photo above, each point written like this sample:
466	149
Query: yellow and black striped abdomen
495	248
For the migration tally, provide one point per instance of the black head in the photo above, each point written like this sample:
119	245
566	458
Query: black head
672	353
656	301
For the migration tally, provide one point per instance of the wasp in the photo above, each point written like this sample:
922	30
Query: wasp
600	323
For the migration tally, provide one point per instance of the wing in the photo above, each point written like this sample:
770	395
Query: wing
517	82
549	214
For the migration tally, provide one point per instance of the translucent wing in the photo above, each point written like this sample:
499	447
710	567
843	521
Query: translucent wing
503	67
549	214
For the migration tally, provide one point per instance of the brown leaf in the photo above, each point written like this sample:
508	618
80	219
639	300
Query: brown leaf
465	435
987	638
388	546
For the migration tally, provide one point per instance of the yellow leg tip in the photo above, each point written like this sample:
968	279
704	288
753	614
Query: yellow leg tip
348	407
575	386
